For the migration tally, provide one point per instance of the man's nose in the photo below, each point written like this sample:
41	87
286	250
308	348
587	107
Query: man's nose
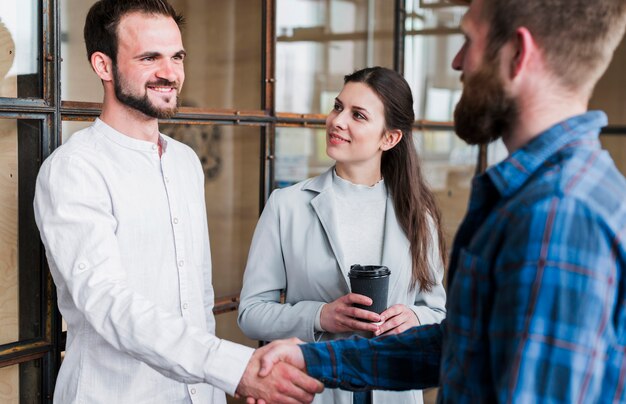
167	71
457	62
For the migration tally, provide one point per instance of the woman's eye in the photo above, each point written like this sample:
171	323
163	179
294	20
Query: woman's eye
358	115
337	107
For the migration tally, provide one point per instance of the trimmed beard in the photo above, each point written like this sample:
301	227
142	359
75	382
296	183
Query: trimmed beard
485	112
143	104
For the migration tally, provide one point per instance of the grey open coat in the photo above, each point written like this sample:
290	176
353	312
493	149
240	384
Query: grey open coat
295	249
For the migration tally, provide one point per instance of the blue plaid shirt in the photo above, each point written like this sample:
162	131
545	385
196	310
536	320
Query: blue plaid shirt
537	299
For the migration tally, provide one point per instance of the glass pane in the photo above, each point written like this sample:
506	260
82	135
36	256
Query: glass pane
224	41
609	94
319	42
300	154
68	128
223	44
432	40
19	49
436	14
449	165
21	384
616	146
78	81
20	277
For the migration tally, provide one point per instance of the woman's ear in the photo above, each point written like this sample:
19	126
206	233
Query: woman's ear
390	139
102	65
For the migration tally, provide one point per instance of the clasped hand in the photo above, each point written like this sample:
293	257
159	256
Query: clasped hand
276	378
276	372
341	316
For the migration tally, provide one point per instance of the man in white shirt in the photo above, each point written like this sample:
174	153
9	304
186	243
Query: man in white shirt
121	212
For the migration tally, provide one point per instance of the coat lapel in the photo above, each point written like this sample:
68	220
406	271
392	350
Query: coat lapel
322	205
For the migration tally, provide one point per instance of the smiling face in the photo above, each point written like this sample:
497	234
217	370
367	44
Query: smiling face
149	73
355	127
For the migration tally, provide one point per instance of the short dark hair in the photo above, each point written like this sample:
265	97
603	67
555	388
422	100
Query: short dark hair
578	37
105	15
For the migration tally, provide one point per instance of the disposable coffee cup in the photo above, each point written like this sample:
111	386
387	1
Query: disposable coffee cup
371	281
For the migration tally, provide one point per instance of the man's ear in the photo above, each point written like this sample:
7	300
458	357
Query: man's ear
524	49
390	139
102	65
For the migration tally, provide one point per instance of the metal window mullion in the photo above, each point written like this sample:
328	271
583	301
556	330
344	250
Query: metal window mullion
399	32
268	133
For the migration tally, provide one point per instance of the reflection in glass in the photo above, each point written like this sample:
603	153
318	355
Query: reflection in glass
21	383
432	40
319	42
222	40
19	49
616	146
20	278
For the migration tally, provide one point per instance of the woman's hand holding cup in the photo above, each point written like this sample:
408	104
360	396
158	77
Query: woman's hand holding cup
397	319
341	316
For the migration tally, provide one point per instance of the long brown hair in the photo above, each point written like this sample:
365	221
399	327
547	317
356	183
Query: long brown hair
412	199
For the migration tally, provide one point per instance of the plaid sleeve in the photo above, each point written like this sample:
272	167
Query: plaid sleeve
554	294
397	362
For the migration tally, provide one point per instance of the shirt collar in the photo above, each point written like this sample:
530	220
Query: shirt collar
509	175
127	141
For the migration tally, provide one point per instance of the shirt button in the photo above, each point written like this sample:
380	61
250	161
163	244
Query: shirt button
175	220
154	147
193	391
82	266
181	263
167	179
185	306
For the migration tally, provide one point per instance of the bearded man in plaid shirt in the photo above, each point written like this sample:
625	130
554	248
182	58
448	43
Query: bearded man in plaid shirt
537	281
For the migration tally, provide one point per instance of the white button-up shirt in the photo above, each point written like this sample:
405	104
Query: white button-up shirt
127	243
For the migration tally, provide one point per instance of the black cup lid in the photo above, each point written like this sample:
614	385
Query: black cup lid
368	271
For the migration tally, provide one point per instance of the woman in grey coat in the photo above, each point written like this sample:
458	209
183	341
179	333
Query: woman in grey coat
372	208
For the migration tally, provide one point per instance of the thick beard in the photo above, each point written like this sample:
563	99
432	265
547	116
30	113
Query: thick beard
142	104
484	112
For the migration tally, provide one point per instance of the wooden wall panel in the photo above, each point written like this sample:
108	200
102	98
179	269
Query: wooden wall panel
9	377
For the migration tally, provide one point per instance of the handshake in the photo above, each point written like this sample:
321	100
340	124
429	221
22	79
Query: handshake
276	374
